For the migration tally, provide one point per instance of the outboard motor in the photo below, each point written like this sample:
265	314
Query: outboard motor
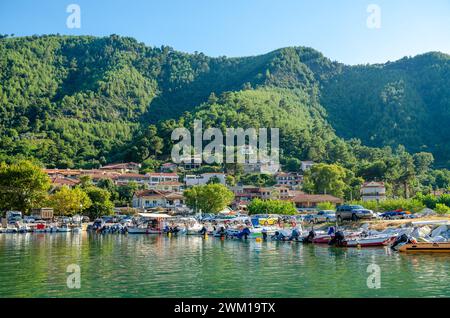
402	239
338	239
264	234
203	230
310	237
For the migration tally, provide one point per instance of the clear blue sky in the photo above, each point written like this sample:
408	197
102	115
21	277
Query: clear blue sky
337	28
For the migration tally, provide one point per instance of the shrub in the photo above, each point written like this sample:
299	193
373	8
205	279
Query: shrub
442	208
325	206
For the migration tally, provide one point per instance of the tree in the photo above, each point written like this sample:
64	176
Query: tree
442	208
293	165
109	186
259	179
210	198
423	162
68	201
327	179
127	191
325	206
86	181
258	206
101	203
230	180
213	180
23	185
149	144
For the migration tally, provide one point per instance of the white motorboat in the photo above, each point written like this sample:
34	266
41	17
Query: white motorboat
63	228
149	223
143	230
374	240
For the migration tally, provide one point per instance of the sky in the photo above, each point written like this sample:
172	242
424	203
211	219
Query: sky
348	31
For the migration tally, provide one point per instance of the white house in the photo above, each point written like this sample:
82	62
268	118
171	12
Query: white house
373	190
149	199
305	165
203	178
158	177
132	167
290	179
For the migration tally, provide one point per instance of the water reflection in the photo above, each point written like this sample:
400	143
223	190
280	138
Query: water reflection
34	265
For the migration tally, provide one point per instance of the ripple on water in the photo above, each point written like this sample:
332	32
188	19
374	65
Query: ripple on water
157	266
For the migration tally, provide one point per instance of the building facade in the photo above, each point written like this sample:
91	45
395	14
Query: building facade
373	191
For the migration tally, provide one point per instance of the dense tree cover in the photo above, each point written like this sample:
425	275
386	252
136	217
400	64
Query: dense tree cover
100	202
258	179
66	201
209	198
23	186
82	101
258	206
331	179
440	204
403	102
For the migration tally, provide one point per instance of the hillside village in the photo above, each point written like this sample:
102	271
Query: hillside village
163	190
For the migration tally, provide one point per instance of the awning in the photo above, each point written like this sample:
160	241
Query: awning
155	215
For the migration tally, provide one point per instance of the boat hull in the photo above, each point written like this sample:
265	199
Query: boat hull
369	242
132	230
425	248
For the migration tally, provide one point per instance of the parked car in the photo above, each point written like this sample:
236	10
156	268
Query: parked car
353	212
208	217
391	215
29	219
308	218
324	216
13	216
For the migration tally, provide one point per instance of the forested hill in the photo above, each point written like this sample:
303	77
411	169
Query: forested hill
84	101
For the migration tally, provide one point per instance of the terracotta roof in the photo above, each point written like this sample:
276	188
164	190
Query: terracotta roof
148	193
370	184
131	175
62	171
162	174
159	194
120	165
64	181
174	183
315	198
174	195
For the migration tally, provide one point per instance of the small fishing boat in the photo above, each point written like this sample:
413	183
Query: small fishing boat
40	228
322	239
193	227
143	230
77	229
149	223
375	240
63	228
425	247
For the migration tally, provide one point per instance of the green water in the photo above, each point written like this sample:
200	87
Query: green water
35	265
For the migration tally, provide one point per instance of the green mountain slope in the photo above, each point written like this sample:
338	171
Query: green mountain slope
83	101
404	102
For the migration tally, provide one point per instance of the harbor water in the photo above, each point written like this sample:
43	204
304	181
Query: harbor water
36	265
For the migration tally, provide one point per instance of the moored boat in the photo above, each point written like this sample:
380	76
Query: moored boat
375	240
150	223
143	230
63	228
425	247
